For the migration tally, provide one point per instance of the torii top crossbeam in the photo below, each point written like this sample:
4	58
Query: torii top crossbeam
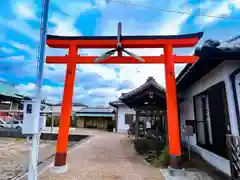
177	41
119	43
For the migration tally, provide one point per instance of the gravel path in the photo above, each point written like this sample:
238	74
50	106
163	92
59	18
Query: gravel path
107	156
14	156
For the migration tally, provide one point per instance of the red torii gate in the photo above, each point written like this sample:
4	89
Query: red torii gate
165	42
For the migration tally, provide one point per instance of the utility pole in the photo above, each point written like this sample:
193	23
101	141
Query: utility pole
32	174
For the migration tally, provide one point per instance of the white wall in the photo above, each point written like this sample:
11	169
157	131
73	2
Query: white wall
221	73
122	110
76	108
57	109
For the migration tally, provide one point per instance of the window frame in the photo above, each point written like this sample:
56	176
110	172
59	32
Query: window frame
208	145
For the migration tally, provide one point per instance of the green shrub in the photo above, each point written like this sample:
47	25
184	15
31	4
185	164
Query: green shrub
143	146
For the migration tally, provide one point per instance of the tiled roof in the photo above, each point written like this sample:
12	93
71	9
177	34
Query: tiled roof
73	104
211	54
95	115
96	110
116	103
150	82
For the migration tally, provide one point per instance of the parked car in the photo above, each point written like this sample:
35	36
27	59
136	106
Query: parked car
15	124
2	123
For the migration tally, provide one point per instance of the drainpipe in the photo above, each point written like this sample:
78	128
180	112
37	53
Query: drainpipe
232	79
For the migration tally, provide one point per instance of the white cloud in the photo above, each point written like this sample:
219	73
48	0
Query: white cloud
139	1
174	27
24	10
51	93
24	47
13	58
25	88
73	8
137	74
215	8
6	50
48	93
222	9
65	25
103	92
236	3
24	28
104	71
101	4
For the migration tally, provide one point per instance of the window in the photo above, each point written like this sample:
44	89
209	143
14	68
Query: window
200	123
129	118
29	108
212	120
15	122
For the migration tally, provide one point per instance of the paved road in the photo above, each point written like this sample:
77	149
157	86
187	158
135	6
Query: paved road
106	156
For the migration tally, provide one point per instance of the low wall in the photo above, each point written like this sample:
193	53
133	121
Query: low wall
44	136
12	134
71	137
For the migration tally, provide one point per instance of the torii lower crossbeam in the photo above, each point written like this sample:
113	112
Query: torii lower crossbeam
168	59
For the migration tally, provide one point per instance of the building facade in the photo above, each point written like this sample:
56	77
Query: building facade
211	102
150	96
97	118
122	114
83	116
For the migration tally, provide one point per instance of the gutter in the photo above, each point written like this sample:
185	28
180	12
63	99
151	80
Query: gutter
232	79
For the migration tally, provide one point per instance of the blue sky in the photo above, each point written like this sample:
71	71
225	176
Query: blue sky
99	84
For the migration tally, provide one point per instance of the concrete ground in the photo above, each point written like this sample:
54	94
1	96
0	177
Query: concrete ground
14	156
106	156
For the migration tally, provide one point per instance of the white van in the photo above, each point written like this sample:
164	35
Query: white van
16	124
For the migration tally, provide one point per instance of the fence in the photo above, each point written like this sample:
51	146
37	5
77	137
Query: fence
233	143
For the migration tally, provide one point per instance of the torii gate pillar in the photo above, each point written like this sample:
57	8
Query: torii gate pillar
165	42
172	108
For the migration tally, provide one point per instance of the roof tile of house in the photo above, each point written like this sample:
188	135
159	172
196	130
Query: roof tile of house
96	110
150	82
211	54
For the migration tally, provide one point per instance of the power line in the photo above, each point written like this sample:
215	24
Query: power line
174	11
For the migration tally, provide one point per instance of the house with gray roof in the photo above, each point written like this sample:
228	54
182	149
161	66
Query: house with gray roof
210	92
150	94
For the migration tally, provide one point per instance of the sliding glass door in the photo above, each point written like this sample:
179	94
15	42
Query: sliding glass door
211	114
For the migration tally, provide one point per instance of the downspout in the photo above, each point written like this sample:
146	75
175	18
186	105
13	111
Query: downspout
232	79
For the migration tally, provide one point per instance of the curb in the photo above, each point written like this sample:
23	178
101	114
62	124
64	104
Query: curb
49	162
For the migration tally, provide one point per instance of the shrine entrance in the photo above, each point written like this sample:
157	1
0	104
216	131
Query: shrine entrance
149	103
150	123
120	43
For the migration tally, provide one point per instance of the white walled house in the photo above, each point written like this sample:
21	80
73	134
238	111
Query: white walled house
211	97
122	111
148	95
55	110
